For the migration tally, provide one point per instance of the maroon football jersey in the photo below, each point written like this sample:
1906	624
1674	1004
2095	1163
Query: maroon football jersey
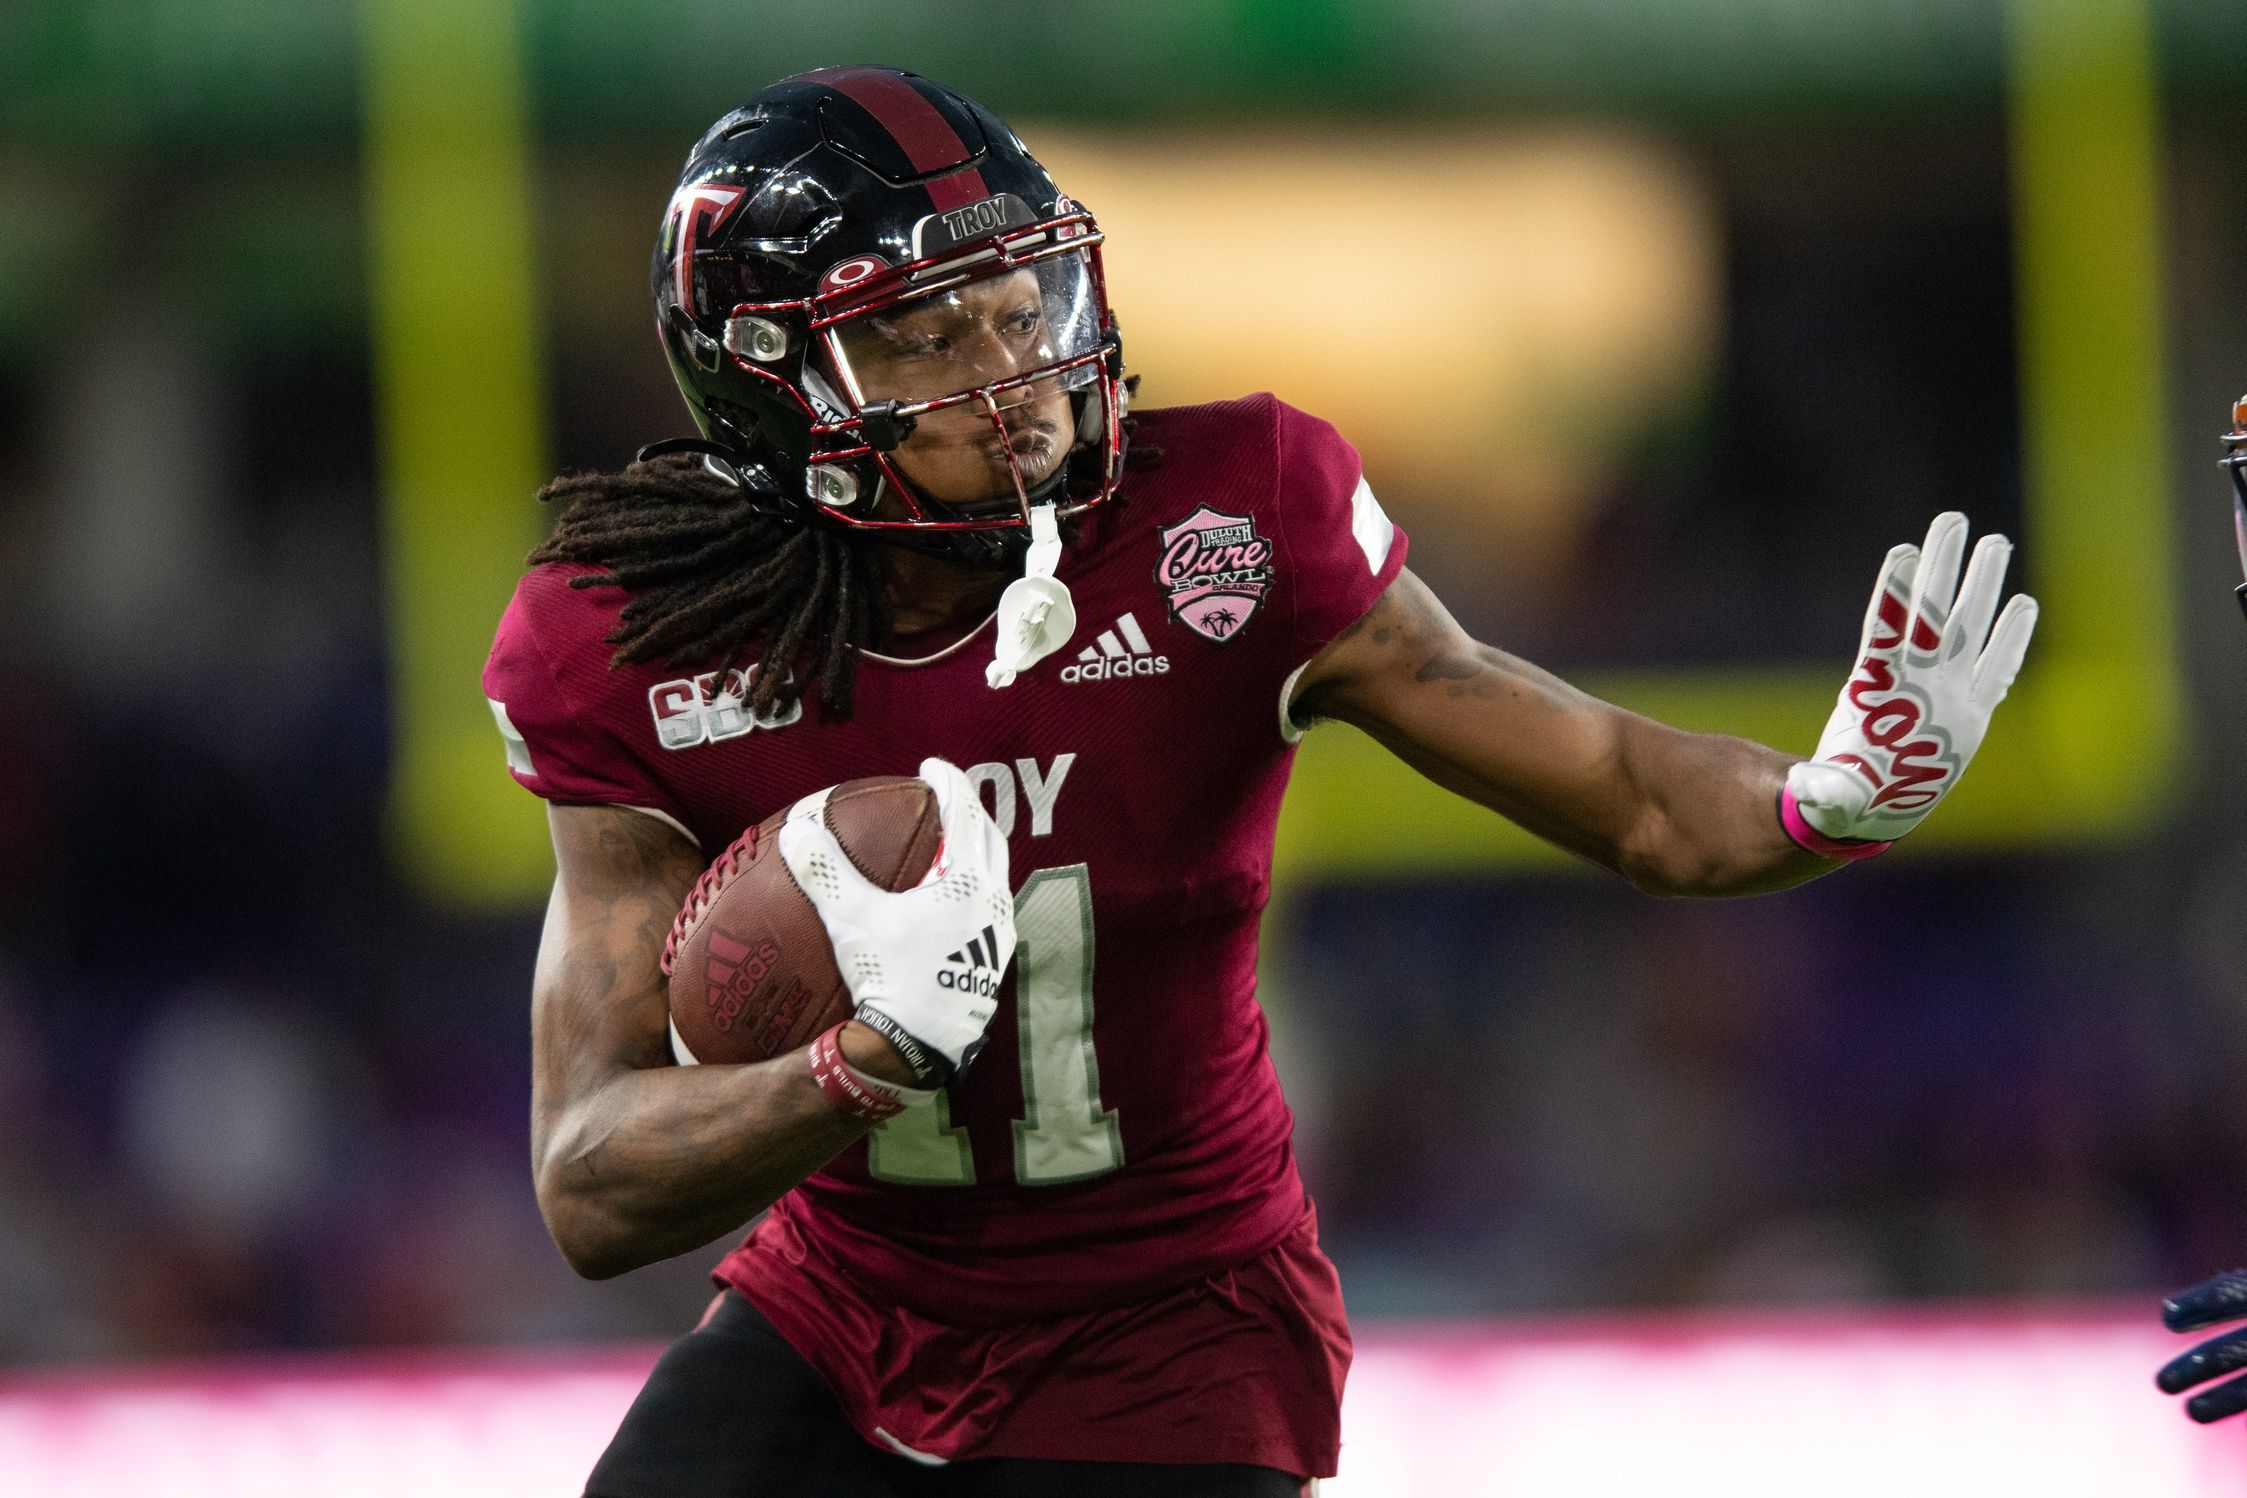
1123	1132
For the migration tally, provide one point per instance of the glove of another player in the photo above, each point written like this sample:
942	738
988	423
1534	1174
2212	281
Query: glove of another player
2223	1298
922	964
1915	709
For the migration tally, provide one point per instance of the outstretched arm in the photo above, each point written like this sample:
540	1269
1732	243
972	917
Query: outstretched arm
1691	813
1674	812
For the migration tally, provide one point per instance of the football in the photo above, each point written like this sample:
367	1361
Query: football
752	974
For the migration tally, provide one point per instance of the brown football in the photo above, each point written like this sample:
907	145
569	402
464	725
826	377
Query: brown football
752	973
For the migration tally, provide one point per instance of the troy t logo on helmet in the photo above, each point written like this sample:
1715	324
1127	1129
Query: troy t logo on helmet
696	212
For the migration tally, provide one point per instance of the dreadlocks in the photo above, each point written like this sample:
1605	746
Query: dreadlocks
709	575
710	572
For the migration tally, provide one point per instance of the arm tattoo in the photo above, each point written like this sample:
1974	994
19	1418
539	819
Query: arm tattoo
1404	623
638	1159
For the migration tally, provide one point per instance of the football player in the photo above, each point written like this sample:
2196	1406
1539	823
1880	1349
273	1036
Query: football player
2223	1298
923	526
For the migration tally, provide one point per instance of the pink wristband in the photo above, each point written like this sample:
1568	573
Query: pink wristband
1808	837
844	1087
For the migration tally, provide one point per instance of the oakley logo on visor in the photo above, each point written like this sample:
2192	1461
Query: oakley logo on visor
851	272
944	231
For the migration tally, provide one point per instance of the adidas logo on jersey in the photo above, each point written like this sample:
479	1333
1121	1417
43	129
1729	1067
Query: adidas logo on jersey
1109	655
978	970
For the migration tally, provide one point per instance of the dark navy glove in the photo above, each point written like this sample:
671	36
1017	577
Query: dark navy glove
2223	1298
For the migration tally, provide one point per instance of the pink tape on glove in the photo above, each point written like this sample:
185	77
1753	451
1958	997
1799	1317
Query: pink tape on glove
1810	838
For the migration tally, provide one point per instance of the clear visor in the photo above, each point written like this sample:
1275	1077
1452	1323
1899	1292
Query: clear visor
986	369
987	332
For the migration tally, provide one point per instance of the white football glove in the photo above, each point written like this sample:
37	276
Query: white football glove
923	964
1914	711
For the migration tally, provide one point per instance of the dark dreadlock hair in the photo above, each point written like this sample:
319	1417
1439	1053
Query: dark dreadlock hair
711	572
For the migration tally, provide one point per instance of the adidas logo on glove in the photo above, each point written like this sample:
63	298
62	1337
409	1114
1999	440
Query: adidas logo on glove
978	971
1110	656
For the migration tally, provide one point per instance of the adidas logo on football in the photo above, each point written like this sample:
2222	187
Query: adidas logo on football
1109	656
978	971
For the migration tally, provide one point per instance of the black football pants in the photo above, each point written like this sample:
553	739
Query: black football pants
732	1411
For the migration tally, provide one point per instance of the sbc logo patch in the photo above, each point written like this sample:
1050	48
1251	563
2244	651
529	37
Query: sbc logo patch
704	710
1214	571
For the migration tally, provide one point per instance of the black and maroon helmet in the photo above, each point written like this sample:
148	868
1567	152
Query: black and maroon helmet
857	255
2235	460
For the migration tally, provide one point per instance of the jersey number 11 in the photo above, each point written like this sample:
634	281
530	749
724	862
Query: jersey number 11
1063	1134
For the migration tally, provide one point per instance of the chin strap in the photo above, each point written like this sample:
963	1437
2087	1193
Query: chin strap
1036	616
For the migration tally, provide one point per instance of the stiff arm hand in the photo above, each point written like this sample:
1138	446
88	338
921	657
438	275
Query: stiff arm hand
909	956
1931	670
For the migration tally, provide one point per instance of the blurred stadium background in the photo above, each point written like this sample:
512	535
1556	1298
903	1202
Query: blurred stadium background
1658	320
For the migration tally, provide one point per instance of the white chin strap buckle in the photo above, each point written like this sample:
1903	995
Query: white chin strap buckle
1036	616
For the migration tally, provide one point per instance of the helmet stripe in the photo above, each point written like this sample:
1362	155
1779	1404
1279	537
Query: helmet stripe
926	138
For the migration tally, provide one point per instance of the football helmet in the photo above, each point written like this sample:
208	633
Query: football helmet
883	312
2235	459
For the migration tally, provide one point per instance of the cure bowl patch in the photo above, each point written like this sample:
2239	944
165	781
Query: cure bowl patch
1214	570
